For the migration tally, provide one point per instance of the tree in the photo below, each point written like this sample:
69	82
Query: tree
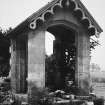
4	53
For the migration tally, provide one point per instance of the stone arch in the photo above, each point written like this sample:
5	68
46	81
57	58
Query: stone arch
64	23
68	33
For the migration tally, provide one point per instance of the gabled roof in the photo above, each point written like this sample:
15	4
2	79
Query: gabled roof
79	10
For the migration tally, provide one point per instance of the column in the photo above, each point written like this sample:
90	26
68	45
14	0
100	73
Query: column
19	64
36	65
36	59
13	65
83	62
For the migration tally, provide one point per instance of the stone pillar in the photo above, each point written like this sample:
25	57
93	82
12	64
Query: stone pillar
18	64
36	65
13	65
83	62
36	59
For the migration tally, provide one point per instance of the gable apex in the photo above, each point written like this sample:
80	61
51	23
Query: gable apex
76	6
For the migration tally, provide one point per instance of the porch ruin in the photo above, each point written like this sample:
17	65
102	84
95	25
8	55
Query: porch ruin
72	25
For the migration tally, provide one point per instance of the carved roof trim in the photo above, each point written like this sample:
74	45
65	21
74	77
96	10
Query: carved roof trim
77	7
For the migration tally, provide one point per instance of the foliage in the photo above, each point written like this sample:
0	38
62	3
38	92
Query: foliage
5	92
93	44
99	101
5	88
4	32
4	57
4	69
51	98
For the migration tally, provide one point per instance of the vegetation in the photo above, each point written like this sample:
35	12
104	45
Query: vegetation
4	53
5	88
5	92
93	44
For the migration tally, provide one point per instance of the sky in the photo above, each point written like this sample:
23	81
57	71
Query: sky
13	12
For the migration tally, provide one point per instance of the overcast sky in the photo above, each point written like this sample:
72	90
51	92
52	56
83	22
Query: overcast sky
13	12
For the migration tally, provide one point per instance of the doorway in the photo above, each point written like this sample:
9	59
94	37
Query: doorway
60	58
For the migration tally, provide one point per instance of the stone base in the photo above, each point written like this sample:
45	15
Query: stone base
21	99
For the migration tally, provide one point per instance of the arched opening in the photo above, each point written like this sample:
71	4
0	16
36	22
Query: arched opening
49	39
60	58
